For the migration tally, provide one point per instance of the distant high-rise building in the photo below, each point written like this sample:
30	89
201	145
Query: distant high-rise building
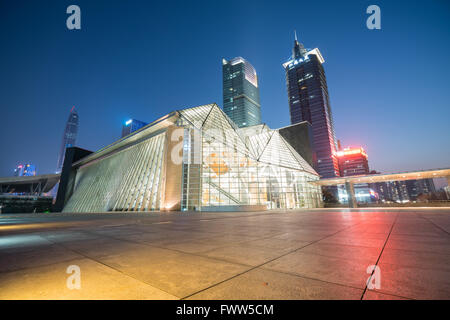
132	125
352	161
240	92
69	137
308	101
25	170
403	191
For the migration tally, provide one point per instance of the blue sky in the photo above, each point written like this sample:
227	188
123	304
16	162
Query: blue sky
389	88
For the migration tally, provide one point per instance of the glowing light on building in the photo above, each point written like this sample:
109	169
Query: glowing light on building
351	151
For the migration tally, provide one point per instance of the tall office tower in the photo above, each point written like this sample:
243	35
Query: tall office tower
308	101
240	92
353	161
69	137
25	170
131	126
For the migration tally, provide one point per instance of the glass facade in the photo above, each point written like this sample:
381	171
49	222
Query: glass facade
132	125
308	101
69	137
194	159
240	92
254	166
25	170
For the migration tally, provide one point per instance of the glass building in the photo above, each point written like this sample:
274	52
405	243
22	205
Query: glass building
194	159
69	137
353	161
132	125
25	170
240	92
308	101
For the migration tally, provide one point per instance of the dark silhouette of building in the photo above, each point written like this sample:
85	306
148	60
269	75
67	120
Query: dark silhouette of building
308	101
240	92
300	138
69	137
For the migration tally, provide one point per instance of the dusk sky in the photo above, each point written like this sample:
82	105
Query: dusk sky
389	88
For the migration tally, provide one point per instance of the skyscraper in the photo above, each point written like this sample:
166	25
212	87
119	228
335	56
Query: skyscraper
308	101
69	137
240	92
132	125
25	170
353	161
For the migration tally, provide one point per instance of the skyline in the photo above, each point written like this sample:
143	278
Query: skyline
46	85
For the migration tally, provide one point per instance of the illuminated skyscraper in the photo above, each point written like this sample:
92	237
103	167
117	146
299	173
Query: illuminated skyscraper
240	92
25	170
132	125
308	101
69	137
353	161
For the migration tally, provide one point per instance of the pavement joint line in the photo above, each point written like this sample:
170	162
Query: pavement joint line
200	255
379	257
391	294
286	220
236	263
113	268
39	266
262	264
434	224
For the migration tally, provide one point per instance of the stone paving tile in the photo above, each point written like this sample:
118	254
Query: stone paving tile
297	254
265	284
101	247
247	255
34	258
330	269
416	259
177	273
68	236
22	242
376	295
304	235
193	246
97	282
414	283
350	253
419	243
357	239
282	246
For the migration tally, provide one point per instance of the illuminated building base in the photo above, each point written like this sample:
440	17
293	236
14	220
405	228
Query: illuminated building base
193	159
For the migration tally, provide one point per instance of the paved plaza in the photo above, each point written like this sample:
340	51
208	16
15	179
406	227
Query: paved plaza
303	254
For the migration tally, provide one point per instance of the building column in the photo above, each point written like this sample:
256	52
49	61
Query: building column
351	195
448	181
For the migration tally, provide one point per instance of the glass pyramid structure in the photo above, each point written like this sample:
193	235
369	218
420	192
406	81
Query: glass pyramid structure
194	159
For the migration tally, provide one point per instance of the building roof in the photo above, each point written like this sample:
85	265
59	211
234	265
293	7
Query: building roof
29	184
258	142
